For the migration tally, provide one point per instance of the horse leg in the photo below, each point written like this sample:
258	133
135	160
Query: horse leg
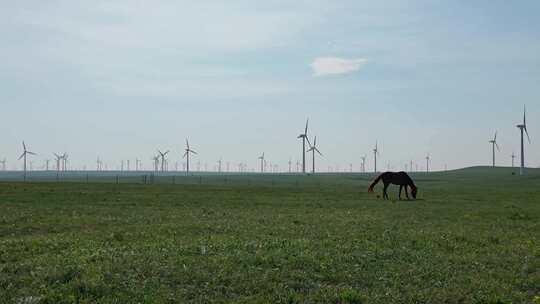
385	194
407	192
400	188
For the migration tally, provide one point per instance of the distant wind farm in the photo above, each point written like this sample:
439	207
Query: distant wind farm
160	162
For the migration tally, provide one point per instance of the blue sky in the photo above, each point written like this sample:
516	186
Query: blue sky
120	79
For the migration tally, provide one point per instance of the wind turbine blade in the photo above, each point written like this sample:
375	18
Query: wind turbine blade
524	111
526	132
318	151
24	146
159	152
307	121
185	154
31	153
495	138
21	155
496	145
315	141
309	143
193	152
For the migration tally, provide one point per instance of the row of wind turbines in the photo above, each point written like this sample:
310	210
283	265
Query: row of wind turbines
160	158
523	130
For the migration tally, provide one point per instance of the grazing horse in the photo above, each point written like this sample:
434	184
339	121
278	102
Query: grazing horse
396	178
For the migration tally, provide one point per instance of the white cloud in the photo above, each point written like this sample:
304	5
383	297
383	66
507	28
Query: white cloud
323	66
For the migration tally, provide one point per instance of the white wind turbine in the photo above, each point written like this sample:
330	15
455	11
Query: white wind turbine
188	150
304	137
513	157
313	148
156	162
23	155
494	144
64	161
163	161
523	127
375	153
363	163
58	160
261	158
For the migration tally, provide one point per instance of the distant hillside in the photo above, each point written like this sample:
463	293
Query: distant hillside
488	170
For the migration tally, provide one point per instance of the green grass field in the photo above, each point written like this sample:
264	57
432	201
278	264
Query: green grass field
472	237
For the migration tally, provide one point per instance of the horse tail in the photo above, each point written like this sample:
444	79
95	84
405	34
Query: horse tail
374	182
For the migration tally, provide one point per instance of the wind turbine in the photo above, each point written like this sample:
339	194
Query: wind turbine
262	162
186	155
375	153
427	162
58	159
290	165
523	127
156	162
64	161
494	144
513	157
163	159
313	148
3	162
219	164
304	137
363	163
23	155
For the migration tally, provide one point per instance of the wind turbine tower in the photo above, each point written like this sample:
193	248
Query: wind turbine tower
375	153
513	157
64	161
156	162
163	159
188	151
523	127
290	165
23	155
428	158
261	158
363	164
314	149
494	144
304	137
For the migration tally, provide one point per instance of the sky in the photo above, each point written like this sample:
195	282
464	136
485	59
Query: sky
118	79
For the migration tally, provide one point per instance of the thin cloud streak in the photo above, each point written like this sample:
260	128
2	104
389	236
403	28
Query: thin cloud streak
324	66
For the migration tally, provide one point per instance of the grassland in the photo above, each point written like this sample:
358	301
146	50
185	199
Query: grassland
472	237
